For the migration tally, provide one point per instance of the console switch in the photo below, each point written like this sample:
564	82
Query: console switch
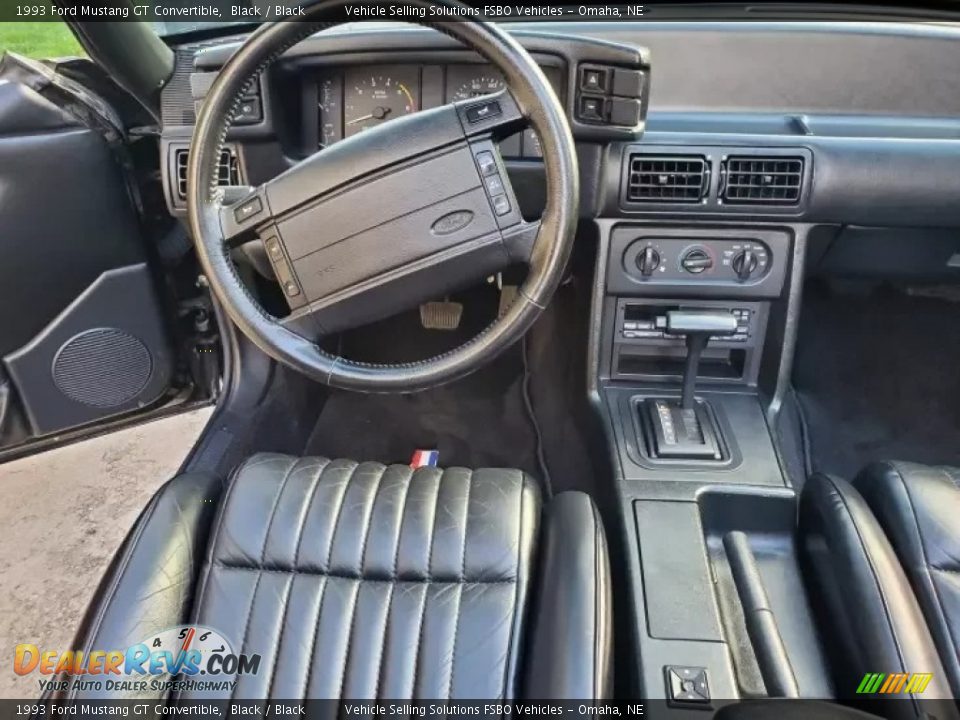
592	109
594	79
687	686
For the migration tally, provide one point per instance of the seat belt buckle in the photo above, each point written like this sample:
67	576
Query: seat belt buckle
424	458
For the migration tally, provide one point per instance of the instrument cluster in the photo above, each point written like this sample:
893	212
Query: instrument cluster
342	102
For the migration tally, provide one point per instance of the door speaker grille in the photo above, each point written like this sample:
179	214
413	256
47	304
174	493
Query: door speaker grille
103	367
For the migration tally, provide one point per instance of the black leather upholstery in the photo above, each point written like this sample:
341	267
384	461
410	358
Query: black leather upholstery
153	577
919	509
868	614
574	583
358	580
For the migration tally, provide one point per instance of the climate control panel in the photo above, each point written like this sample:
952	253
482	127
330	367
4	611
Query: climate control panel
737	261
648	261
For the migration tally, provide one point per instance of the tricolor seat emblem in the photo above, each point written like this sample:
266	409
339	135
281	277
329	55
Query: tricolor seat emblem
893	683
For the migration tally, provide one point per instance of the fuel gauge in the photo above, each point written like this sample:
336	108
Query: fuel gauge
330	110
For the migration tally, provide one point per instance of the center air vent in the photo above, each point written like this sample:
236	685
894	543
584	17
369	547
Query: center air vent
228	171
667	178
762	180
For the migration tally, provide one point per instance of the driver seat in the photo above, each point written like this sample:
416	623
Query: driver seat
359	580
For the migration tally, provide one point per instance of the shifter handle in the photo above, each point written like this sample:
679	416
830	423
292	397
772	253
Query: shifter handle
708	322
698	326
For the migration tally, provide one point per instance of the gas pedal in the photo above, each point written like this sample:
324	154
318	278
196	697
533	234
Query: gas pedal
441	315
508	293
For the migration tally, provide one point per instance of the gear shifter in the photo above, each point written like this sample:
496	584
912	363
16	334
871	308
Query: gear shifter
686	430
698	326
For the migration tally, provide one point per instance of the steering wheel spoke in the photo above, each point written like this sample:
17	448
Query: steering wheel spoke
496	115
243	212
520	241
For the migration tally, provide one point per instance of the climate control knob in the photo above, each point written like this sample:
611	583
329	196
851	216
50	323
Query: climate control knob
744	263
696	261
648	260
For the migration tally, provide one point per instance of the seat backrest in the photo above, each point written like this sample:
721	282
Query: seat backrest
357	580
918	507
869	617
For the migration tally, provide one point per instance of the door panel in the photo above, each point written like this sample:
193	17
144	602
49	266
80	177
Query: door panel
82	333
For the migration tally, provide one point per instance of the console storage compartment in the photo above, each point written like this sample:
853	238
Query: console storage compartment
692	612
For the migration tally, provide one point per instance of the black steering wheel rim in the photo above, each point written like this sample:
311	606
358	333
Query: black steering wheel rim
537	103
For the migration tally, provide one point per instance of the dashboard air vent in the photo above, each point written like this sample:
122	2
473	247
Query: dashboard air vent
229	170
762	180
667	178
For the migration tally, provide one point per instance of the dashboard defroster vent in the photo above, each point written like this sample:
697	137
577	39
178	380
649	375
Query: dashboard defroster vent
667	178
228	171
762	180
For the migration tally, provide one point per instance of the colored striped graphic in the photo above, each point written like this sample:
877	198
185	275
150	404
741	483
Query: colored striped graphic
893	683
424	458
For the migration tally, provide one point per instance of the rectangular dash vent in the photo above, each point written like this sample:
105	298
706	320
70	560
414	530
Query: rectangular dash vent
229	170
762	180
667	178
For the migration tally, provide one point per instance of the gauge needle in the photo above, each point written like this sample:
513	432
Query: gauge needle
379	113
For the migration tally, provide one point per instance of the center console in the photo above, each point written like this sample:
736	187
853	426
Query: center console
695	302
684	314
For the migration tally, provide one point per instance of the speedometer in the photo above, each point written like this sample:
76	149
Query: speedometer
477	86
470	81
375	95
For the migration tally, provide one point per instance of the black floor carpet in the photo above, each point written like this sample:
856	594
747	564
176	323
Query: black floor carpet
476	422
480	421
877	376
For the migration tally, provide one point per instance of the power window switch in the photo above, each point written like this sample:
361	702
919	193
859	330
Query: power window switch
687	686
501	205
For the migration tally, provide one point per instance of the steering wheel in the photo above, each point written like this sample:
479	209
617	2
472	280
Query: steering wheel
390	217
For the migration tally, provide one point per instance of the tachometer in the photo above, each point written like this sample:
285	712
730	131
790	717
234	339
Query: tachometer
375	95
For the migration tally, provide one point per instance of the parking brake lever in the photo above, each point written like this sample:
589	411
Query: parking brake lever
698	326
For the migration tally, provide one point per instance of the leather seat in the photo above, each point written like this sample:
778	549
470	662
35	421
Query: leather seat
918	507
358	580
869	616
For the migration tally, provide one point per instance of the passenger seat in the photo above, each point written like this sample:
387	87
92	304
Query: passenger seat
918	507
869	616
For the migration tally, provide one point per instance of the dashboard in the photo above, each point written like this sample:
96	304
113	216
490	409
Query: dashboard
719	94
340	102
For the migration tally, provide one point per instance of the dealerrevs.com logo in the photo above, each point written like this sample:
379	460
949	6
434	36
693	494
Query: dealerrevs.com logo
186	652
